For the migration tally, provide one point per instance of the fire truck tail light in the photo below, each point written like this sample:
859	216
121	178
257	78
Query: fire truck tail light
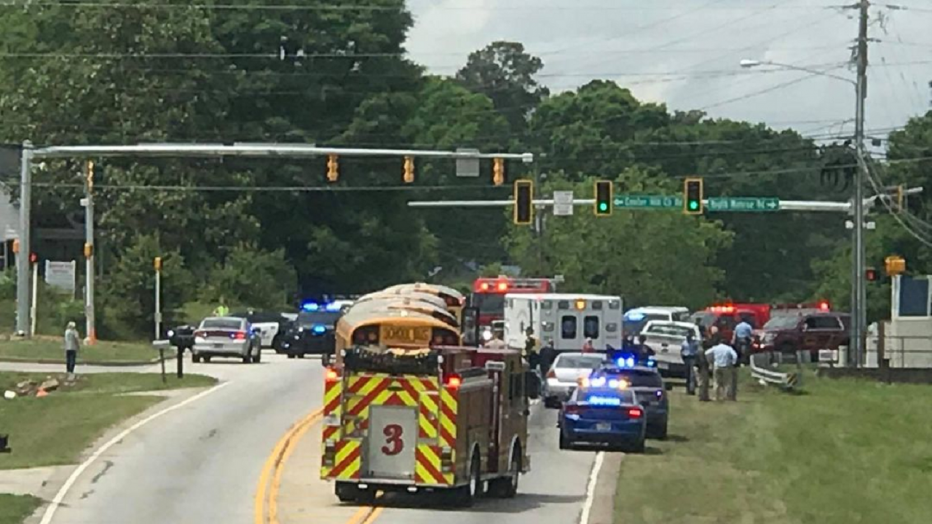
503	286
453	381
330	452
484	286
824	305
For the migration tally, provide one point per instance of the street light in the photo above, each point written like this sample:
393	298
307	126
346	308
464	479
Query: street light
859	262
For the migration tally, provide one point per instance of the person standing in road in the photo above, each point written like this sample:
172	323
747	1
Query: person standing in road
688	351
724	358
547	355
72	343
531	348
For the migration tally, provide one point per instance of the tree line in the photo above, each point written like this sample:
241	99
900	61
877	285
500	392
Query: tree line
263	232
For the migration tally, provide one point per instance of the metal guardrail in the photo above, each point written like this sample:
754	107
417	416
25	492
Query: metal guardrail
785	381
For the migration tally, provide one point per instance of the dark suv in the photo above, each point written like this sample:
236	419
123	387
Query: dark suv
313	332
805	332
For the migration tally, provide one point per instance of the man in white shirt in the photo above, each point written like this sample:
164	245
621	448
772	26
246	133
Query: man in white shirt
724	359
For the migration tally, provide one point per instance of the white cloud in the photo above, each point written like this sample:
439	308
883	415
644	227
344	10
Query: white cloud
699	43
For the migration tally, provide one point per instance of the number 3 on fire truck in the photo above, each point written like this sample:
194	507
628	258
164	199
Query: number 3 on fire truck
393	440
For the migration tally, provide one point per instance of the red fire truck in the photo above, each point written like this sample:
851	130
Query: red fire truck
404	413
488	295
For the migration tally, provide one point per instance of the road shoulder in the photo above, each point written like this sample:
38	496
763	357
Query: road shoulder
603	501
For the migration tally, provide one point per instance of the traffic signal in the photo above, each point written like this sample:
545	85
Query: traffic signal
603	198
89	172
33	258
871	274
333	168
498	171
895	265
409	169
692	196
524	202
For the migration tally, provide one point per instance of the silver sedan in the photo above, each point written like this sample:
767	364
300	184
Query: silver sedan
563	376
226	337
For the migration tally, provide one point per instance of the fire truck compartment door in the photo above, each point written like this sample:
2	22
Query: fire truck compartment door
391	442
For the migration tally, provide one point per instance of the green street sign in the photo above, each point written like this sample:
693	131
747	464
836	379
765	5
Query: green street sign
763	204
648	202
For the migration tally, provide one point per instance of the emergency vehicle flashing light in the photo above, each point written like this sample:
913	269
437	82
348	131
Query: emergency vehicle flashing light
319	329
314	306
604	401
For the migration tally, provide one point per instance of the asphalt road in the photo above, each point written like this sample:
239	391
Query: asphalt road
199	463
552	493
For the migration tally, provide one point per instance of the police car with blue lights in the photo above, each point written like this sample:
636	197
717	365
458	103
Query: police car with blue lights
313	332
642	378
603	410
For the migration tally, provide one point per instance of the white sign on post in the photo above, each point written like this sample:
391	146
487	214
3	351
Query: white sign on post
562	203
61	275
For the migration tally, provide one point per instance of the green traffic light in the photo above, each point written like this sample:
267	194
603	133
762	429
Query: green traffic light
603	206
693	205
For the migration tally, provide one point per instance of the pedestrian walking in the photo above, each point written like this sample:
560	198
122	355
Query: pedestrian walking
72	343
688	351
724	358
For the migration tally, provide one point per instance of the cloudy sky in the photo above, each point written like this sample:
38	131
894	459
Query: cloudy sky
686	53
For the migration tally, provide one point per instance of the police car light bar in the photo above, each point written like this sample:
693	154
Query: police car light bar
314	306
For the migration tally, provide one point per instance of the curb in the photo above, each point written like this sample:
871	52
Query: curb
102	363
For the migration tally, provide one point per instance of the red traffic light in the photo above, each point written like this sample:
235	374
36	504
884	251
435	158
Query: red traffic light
33	258
871	274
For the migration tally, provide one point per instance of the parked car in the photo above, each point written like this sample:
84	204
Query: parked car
805	332
563	376
269	325
666	339
635	319
226	337
649	390
603	414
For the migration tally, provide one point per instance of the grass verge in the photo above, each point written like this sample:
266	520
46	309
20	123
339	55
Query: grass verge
844	451
15	508
56	429
52	350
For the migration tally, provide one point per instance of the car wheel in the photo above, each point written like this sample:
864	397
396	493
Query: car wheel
300	355
507	487
661	432
195	358
565	443
247	358
291	355
207	360
637	447
346	491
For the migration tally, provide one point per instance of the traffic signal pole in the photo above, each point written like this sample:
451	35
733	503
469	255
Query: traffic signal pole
167	150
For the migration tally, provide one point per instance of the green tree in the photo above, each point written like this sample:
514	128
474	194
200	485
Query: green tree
647	257
504	72
127	292
253	277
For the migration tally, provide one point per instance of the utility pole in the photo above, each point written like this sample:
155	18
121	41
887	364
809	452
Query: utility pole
859	288
23	325
89	253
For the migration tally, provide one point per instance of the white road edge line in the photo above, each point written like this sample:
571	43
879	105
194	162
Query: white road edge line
590	488
60	496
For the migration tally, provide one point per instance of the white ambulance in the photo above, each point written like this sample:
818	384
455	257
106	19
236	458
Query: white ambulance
567	319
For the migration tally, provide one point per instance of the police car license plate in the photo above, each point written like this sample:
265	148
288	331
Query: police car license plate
603	426
663	365
218	346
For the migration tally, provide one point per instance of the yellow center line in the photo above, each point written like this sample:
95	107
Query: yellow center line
273	462
307	424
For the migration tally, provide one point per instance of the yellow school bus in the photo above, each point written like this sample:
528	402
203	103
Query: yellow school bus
454	300
408	303
384	328
397	294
